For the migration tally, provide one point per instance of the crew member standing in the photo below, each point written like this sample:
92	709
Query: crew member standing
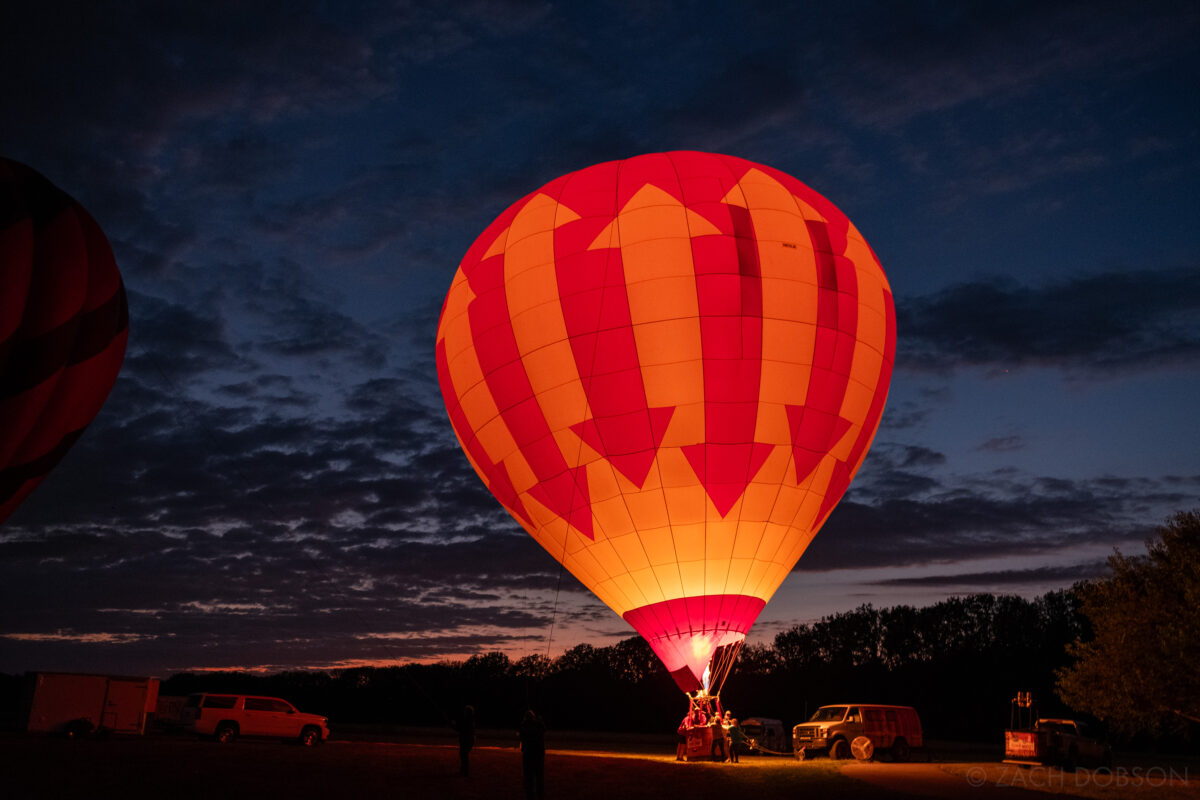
737	740
533	755
466	738
682	733
718	737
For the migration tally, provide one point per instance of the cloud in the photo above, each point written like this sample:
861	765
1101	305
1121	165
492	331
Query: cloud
910	60
904	414
1004	513
898	470
176	341
739	98
273	60
274	390
1058	575
291	527
77	638
270	593
301	326
1094	325
1003	444
299	536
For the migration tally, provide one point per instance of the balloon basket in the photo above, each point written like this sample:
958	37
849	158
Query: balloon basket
699	744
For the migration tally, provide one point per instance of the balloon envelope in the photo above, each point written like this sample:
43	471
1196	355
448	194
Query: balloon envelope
668	369
63	327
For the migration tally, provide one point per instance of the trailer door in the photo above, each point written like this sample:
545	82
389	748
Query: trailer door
124	706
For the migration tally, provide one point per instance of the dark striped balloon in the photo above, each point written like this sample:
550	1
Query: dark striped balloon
64	322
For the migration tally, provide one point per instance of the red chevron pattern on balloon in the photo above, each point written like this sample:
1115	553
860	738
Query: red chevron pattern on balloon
669	369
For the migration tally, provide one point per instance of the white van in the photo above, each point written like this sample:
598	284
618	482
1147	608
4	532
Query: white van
895	730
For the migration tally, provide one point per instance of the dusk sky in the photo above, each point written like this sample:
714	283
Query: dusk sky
289	188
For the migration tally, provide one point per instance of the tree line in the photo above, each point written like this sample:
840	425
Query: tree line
959	662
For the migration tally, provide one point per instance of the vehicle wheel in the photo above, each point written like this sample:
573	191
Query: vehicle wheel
1071	761
839	750
310	737
900	751
226	732
862	748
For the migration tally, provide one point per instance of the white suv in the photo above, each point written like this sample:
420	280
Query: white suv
228	716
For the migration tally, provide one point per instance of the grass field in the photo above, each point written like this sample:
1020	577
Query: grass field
183	767
177	767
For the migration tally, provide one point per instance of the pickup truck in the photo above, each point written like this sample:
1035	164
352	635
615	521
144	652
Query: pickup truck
1059	742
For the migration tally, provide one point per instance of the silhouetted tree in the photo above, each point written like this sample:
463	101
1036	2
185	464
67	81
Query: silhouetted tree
1140	671
756	661
535	666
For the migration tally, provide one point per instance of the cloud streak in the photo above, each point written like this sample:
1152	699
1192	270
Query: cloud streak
1114	322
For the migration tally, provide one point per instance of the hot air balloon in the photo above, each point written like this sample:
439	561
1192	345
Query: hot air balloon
63	327
668	369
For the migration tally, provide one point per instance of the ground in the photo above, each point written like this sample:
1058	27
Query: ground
183	767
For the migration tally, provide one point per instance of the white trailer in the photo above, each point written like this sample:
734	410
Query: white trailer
63	701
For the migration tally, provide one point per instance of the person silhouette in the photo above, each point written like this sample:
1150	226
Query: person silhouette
465	725
718	737
533	755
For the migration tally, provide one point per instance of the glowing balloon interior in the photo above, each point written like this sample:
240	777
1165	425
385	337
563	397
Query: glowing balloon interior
668	369
64	323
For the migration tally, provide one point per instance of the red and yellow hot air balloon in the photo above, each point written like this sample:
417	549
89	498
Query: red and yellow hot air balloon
668	369
63	327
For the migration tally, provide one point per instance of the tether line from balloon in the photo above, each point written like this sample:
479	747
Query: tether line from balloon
558	583
761	749
724	664
554	609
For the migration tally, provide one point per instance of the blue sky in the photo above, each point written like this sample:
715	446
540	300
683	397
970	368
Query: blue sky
289	187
